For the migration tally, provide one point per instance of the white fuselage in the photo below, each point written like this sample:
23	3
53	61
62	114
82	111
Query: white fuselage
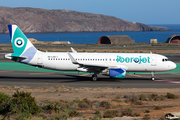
132	62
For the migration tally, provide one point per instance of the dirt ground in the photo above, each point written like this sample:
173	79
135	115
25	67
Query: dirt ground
119	99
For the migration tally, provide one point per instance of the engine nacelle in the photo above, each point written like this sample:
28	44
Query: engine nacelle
117	73
82	69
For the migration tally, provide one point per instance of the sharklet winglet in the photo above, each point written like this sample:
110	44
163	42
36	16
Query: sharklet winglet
72	59
74	51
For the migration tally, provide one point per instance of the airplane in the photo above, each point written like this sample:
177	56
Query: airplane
114	65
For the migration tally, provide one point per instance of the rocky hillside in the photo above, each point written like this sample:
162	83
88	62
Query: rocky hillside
42	20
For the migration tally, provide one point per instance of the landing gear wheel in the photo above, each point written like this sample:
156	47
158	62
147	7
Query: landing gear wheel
152	76
94	77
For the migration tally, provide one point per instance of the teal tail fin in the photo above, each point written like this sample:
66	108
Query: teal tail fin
22	47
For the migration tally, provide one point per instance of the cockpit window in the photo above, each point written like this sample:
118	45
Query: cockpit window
165	60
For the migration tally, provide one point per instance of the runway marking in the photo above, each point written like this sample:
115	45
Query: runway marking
139	75
169	81
84	75
177	82
160	79
6	70
39	73
176	73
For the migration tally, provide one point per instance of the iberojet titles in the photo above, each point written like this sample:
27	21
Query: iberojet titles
135	59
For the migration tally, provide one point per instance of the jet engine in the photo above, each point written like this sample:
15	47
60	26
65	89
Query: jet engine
117	73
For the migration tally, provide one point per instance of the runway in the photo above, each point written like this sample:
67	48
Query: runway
13	74
30	78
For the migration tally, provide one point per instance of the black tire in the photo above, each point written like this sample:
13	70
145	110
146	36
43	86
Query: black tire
94	77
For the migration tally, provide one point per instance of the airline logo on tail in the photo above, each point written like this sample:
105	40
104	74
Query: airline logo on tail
19	42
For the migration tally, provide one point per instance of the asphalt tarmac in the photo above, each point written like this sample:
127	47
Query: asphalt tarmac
30	78
34	78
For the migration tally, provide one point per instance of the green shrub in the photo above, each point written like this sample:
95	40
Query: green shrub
136	114
147	111
65	115
74	113
171	96
4	103
146	117
24	104
159	98
110	114
153	96
104	104
158	108
85	103
97	112
132	98
42	115
138	102
4	98
56	106
143	97
127	112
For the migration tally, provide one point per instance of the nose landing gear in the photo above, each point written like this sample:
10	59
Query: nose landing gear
152	76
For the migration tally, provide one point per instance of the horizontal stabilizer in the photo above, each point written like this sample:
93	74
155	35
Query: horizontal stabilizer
9	56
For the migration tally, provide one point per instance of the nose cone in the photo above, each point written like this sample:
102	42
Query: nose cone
173	65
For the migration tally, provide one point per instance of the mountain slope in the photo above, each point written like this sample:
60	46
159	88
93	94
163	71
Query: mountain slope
42	20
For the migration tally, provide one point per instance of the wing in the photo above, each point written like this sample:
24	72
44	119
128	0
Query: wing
94	67
86	65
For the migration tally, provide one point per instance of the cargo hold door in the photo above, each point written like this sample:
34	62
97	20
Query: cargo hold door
40	59
153	60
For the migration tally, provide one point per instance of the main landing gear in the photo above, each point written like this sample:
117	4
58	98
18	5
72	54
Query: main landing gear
152	76
94	77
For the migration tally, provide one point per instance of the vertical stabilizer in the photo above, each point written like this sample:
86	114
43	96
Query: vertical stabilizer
21	45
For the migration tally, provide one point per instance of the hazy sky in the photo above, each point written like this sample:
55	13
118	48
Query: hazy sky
143	11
